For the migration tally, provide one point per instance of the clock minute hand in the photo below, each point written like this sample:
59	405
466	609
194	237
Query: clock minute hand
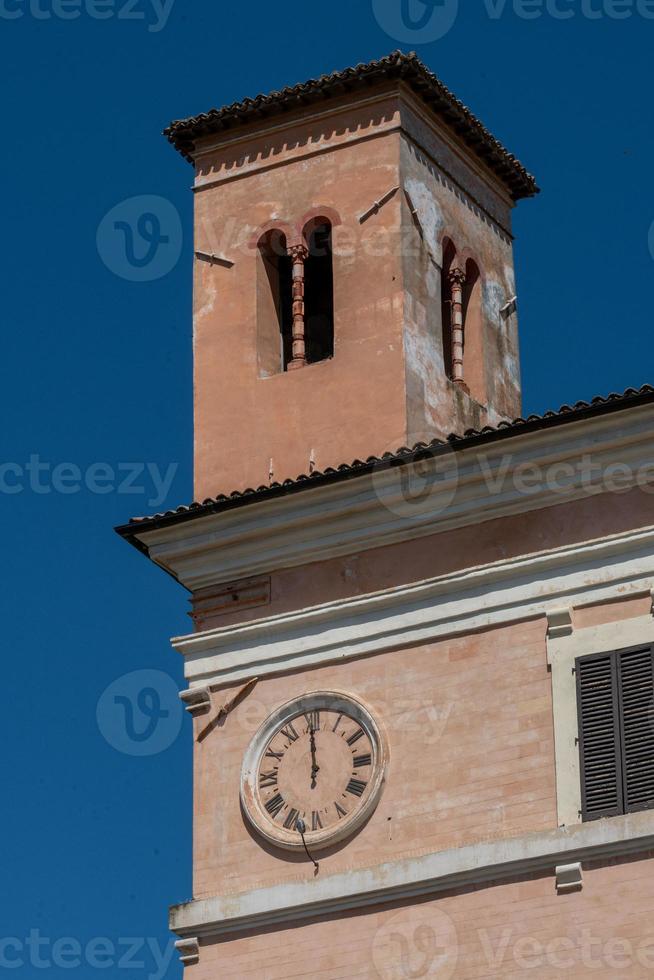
315	768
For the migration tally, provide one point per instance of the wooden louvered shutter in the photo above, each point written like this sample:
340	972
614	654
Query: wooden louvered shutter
599	736
636	686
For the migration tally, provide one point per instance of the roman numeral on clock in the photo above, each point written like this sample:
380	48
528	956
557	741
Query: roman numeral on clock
274	755
355	787
362	760
355	738
267	779
275	804
340	811
289	823
290	733
313	720
316	822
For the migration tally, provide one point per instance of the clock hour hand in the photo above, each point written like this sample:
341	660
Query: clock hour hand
315	768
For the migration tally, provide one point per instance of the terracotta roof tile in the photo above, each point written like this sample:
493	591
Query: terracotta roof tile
566	413
183	133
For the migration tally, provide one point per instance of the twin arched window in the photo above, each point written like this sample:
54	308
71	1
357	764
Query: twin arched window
295	306
295	298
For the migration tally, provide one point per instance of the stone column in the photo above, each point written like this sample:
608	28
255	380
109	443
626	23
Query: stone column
457	278
299	255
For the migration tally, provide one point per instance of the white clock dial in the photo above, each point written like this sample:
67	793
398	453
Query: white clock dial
320	759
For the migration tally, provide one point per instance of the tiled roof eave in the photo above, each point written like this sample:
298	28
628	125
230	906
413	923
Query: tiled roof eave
183	133
600	405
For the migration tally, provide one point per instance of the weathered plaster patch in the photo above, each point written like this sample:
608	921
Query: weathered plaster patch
211	294
425	361
494	298
433	282
429	214
512	367
490	211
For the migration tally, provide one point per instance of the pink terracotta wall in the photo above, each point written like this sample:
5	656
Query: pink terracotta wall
336	409
411	561
469	721
386	385
515	929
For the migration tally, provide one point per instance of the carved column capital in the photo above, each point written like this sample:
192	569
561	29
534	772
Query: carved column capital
456	277
299	253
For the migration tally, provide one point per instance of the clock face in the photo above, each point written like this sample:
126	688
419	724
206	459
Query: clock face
318	759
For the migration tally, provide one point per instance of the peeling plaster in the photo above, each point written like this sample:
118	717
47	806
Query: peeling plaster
429	213
425	361
494	298
210	292
433	283
512	367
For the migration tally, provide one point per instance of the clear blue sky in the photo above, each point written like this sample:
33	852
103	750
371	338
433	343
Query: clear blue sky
96	369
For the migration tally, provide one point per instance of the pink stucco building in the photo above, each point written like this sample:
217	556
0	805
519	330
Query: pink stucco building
421	673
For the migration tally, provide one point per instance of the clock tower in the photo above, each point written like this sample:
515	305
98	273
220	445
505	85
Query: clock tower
381	673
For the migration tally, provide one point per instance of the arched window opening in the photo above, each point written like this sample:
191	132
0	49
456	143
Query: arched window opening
274	304
473	349
319	291
449	255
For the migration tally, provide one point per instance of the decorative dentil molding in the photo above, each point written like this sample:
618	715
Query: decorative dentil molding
408	119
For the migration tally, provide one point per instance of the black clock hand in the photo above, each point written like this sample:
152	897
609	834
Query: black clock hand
315	768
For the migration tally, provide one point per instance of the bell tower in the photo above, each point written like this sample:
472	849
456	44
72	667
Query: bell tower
354	288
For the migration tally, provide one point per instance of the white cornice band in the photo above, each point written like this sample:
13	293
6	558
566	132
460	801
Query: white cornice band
502	592
452	490
426	874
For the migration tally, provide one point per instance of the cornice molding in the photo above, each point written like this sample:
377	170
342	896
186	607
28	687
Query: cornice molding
450	490
460	602
305	117
399	96
426	874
